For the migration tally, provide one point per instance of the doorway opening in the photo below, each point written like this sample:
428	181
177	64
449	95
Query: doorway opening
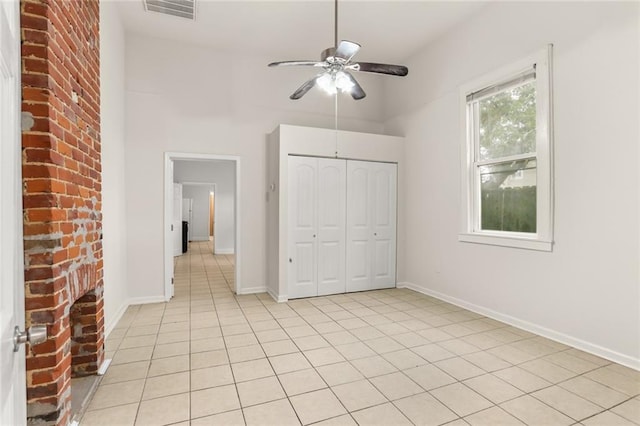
209	188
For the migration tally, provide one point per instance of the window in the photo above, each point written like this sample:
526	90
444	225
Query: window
506	159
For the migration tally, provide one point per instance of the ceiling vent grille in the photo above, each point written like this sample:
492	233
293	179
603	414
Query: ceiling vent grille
180	8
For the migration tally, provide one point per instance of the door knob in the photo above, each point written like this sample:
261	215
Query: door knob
34	335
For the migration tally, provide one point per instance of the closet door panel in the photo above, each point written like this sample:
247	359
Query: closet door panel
384	224
331	225
302	274
359	256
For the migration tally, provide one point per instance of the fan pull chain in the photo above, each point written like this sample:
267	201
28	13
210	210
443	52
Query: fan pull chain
336	123
335	28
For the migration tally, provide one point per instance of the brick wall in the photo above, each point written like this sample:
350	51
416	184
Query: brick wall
62	198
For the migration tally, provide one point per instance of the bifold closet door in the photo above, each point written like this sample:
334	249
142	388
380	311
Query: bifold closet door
316	208
371	225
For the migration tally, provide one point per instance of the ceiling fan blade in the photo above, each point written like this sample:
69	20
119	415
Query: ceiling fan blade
346	50
389	69
357	92
296	63
302	90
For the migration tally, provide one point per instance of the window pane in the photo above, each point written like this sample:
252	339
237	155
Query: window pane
508	196
508	122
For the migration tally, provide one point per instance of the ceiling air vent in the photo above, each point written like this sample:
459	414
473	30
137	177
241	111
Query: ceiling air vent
180	8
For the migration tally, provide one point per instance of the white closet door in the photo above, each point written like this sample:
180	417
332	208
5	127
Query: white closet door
371	225
302	274
383	209
332	193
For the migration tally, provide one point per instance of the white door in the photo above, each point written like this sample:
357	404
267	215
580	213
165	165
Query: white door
176	227
302	209
371	225
331	205
383	220
12	373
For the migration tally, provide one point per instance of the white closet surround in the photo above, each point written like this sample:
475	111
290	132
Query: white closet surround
320	160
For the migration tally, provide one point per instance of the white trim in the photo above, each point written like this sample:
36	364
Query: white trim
104	366
253	290
225	251
145	300
566	339
470	195
278	298
169	157
109	327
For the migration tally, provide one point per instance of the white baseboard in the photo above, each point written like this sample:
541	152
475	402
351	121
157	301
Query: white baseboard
253	290
531	327
224	251
108	327
104	366
277	298
146	300
199	239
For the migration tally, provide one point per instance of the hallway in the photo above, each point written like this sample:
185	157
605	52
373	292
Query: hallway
387	357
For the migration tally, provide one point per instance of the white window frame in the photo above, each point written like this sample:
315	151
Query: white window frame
470	230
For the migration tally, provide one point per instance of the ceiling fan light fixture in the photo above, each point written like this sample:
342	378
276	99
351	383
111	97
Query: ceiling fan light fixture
331	82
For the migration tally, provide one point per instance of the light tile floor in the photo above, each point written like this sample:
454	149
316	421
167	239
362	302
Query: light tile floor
390	357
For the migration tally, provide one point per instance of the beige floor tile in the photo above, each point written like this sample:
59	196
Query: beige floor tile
429	376
163	411
395	386
404	359
487	361
628	385
213	401
211	377
260	391
566	402
383	415
337	374
206	333
311	342
122	415
550	372
328	327
358	395
410	340
208	359
137	341
245	353
125	372
607	418
459	368
323	356
373	366
302	381
493	416
340	337
209	344
117	394
459	347
317	405
383	345
423	409
571	362
433	352
630	410
595	392
355	350
170	350
280	347
170	365
239	340
461	399
230	418
271	414
143	330
344	420
290	362
522	379
166	385
533	412
173	337
250	370
300	331
493	388
124	356
271	335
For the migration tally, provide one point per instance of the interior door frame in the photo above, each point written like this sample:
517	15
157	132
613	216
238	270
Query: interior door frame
13	389
169	158
212	185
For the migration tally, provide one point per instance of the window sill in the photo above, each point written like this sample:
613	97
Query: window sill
503	241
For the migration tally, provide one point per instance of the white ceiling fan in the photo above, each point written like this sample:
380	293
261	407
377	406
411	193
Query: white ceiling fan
337	64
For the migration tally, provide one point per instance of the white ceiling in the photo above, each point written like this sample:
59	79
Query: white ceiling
389	31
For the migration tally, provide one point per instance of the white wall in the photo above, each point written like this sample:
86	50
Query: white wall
114	223
185	98
586	292
222	173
